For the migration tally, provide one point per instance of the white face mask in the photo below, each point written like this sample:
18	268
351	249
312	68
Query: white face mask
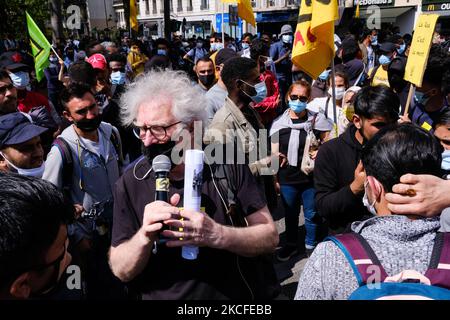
370	207
20	79
339	93
35	172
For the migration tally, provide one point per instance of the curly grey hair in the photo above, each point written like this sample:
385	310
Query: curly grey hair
188	100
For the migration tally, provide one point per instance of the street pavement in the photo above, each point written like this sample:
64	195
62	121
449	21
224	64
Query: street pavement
289	272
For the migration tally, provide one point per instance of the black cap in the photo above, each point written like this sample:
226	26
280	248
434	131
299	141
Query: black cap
16	128
12	61
387	47
224	55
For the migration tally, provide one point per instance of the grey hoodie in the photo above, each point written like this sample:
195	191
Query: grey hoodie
98	175
398	242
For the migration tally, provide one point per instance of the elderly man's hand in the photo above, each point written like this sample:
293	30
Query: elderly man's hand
198	229
423	195
156	214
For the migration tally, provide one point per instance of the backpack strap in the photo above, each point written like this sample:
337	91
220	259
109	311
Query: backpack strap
67	159
115	140
360	255
439	269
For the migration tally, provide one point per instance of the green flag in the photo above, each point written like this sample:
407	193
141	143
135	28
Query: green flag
40	47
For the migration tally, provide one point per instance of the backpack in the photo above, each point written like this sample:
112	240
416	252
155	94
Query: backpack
67	158
375	284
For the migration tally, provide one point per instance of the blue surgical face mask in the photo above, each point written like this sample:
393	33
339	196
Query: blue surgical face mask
446	160
118	77
287	38
161	52
53	59
297	106
34	172
20	79
324	75
401	49
245	45
261	91
383	60
374	40
421	98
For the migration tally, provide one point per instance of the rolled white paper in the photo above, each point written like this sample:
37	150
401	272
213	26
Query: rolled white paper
193	181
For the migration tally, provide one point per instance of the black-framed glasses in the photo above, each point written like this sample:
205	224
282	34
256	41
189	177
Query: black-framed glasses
294	97
5	88
159	132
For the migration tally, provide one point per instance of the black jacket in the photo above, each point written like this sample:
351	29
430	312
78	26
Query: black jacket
333	173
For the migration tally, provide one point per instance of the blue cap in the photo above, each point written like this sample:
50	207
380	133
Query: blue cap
16	128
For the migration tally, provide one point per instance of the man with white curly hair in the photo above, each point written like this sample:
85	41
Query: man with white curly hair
229	265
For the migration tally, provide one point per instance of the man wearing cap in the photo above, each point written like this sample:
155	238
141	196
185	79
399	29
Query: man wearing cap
19	73
280	52
379	74
218	93
20	145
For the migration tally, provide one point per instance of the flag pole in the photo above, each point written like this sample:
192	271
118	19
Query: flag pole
54	51
333	89
223	31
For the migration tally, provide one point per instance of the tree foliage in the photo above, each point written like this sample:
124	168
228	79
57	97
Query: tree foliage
13	19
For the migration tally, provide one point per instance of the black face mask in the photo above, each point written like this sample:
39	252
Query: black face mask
89	125
156	149
207	80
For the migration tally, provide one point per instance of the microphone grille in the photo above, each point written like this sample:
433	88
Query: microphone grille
161	163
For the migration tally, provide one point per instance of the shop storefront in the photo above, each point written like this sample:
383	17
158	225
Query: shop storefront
401	13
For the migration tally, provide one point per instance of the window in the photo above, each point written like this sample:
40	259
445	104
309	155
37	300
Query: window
155	10
189	8
271	3
253	3
171	6
162	7
180	5
204	5
147	7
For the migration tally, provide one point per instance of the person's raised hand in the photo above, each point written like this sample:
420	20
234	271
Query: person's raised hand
423	195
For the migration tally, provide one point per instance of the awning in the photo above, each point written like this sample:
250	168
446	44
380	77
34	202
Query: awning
387	14
277	16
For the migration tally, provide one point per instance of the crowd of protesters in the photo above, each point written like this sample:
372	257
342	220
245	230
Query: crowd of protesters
107	109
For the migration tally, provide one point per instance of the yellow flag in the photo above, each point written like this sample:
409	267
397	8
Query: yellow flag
357	11
314	36
245	10
133	16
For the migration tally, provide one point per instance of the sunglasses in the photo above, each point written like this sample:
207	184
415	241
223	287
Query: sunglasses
297	97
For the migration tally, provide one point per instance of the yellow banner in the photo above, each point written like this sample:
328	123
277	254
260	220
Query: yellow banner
420	48
133	16
314	36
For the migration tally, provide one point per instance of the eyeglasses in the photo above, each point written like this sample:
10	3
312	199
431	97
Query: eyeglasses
159	132
8	87
297	97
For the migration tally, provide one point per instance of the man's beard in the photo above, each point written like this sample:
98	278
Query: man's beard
8	106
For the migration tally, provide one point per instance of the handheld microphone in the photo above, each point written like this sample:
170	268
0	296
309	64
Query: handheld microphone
161	166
